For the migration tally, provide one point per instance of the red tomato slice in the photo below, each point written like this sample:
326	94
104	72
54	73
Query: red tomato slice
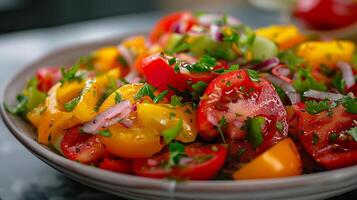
81	147
116	165
203	163
47	77
185	20
160	74
236	97
326	139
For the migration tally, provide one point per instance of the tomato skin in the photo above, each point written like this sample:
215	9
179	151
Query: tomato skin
330	154
161	75
192	171
168	23
116	165
222	99
81	147
326	14
47	77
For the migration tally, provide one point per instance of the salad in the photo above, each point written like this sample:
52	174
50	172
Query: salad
202	97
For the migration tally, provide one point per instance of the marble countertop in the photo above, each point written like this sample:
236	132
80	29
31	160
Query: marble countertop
22	175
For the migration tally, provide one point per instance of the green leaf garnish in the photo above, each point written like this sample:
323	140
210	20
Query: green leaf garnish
204	64
70	74
314	107
304	81
117	97
146	90
349	103
253	75
291	59
198	89
176	100
172	61
160	96
69	106
176	152
221	124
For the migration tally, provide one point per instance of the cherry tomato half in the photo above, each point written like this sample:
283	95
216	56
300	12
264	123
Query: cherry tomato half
47	77
201	163
325	137
234	97
81	147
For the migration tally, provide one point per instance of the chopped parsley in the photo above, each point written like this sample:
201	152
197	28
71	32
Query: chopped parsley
221	124
123	81
70	74
349	103
172	61
304	81
230	69
240	153
146	90
339	83
171	133
333	137
315	107
253	75
353	133
105	133
69	106
254	128
198	89
117	97
176	152
291	59
204	64
160	96
176	100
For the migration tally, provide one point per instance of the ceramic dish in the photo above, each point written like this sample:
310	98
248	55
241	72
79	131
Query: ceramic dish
313	186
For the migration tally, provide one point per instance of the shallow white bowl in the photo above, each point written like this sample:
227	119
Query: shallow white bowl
313	186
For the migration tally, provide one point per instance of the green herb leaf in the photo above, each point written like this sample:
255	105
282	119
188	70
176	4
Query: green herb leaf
279	126
304	81
349	103
123	81
171	133
198	89
183	46
253	75
221	124
117	97
146	90
177	151
333	137
172	61
291	59
20	108
339	83
240	153
314	107
70	74
204	64
160	96
105	133
69	106
176	100
230	69
353	133
254	126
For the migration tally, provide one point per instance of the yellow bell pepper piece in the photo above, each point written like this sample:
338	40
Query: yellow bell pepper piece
34	116
319	53
106	58
85	109
126	91
164	116
136	44
53	119
68	91
285	36
103	79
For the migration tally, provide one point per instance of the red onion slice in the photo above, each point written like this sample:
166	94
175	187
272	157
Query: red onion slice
132	77
347	73
267	65
113	115
322	95
215	33
288	89
282	72
125	52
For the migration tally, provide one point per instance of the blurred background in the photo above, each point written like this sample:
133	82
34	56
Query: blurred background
31	28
